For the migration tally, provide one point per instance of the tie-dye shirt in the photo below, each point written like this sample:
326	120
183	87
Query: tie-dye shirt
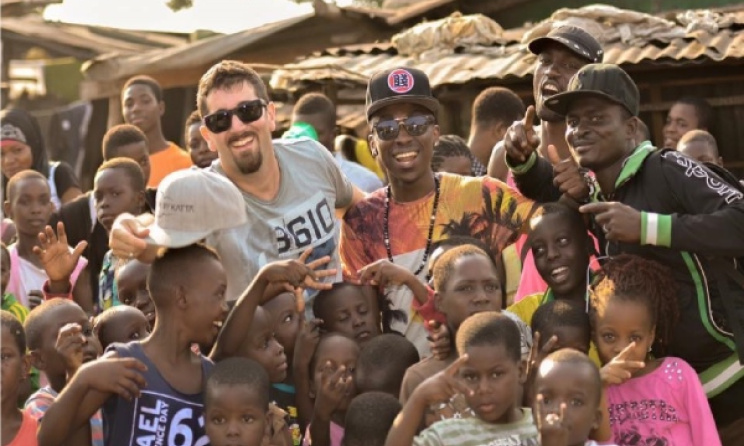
482	207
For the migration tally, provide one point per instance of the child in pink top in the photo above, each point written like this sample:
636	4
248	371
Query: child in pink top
667	404
650	401
331	387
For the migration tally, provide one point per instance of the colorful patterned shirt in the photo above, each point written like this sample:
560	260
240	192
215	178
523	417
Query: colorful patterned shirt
482	207
108	295
39	402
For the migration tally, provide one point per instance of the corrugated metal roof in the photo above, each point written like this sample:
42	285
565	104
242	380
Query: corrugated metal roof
355	65
91	40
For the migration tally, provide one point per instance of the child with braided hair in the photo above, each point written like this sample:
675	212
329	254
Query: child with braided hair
651	399
451	154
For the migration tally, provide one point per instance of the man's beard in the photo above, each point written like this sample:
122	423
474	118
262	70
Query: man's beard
251	164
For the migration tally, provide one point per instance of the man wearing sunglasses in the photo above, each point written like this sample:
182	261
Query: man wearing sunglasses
400	222
294	192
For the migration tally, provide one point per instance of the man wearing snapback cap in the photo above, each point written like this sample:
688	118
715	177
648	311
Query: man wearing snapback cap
560	54
665	207
400	222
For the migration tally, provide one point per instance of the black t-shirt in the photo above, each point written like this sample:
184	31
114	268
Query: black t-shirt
283	395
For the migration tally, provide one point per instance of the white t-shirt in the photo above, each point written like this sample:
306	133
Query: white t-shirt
32	278
25	276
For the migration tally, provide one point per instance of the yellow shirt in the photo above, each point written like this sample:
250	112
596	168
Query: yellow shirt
513	270
167	161
526	308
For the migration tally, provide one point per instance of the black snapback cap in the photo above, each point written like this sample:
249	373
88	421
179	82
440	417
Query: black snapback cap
402	84
607	81
574	39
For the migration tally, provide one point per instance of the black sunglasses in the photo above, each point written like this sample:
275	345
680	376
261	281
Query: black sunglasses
389	129
246	111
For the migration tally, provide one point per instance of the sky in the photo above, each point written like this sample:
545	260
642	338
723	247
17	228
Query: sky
225	16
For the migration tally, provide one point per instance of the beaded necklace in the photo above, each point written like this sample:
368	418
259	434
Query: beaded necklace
386	225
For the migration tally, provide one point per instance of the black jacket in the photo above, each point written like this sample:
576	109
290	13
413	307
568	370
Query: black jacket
700	218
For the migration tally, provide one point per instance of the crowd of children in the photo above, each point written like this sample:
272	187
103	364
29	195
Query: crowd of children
432	346
280	379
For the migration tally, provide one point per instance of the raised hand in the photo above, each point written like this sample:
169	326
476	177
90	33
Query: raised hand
127	238
383	272
111	374
439	340
443	386
299	274
334	389
620	368
307	341
69	346
55	255
553	430
537	355
520	140
35	298
619	222
567	176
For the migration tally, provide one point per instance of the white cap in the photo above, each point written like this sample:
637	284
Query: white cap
193	203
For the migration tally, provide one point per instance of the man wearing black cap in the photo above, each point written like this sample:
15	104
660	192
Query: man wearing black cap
400	222
560	54
664	207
